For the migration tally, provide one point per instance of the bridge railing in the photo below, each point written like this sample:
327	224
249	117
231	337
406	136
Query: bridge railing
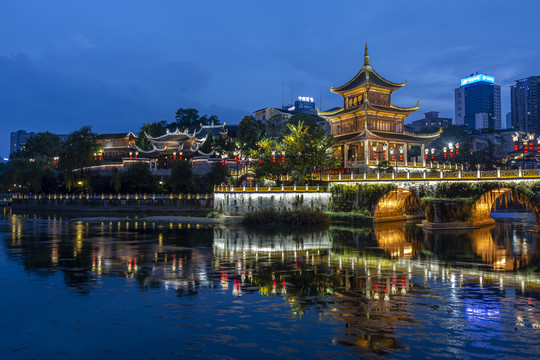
113	196
269	189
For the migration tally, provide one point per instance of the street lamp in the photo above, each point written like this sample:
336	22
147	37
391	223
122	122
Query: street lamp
451	148
375	153
384	147
432	153
525	151
515	138
444	150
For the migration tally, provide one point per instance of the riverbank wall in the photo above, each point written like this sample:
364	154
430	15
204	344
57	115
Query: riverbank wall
178	204
241	203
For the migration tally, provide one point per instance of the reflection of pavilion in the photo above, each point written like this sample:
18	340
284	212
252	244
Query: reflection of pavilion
226	240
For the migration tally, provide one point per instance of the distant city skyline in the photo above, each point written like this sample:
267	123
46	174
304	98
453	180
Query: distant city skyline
117	65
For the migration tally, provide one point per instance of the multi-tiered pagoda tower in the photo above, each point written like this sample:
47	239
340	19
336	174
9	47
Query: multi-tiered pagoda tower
369	128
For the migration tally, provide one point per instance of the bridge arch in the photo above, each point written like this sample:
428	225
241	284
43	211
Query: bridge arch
397	204
481	209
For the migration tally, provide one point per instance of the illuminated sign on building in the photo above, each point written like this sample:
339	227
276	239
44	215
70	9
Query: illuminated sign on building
305	98
477	78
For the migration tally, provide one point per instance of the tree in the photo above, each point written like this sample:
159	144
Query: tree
117	179
217	175
309	149
138	178
187	117
77	153
275	126
308	120
181	179
154	129
249	132
208	120
269	153
206	147
42	144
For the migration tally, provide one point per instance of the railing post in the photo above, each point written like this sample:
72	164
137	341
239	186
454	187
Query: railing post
459	174
352	176
441	174
232	188
498	173
339	176
520	172
393	175
365	176
424	174
294	188
307	189
269	189
378	175
328	177
283	188
256	188
478	173
408	175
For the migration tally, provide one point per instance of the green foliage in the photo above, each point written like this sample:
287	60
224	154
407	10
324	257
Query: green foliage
154	129
79	149
308	120
181	179
275	128
43	144
310	150
354	217
138	178
249	133
296	217
207	146
267	167
117	178
186	118
217	175
357	197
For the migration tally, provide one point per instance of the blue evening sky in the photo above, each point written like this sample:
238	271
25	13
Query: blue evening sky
117	64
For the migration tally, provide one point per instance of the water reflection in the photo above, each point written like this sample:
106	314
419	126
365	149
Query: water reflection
376	290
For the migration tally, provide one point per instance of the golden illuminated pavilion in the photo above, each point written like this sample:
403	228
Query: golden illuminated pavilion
369	127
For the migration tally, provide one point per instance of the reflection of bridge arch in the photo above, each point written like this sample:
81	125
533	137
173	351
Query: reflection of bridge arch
395	205
481	209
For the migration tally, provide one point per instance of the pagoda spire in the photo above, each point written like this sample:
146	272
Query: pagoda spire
366	57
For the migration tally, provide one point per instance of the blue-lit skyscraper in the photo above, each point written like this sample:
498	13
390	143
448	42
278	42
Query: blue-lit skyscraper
478	103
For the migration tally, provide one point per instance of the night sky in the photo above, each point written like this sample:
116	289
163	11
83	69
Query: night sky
117	64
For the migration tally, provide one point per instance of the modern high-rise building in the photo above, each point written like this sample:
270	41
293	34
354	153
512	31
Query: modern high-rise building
525	102
478	94
18	139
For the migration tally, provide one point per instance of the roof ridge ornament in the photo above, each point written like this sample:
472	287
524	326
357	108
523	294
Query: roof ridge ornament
366	56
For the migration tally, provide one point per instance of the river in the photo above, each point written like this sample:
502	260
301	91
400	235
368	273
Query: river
143	290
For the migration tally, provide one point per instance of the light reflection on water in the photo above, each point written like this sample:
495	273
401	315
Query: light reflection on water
145	289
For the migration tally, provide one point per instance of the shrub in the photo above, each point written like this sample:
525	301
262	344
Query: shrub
292	217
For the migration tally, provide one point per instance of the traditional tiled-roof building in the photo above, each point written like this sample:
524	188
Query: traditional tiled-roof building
369	127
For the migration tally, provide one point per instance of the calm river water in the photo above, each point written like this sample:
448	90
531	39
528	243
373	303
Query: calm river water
141	290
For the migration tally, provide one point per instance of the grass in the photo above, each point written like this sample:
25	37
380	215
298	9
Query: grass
353	217
289	217
467	200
